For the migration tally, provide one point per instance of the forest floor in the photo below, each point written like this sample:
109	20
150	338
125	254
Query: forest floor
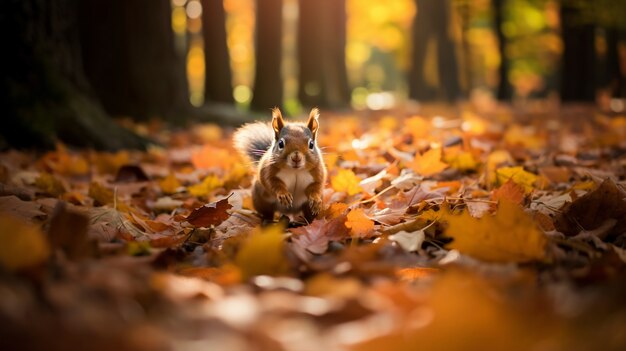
441	231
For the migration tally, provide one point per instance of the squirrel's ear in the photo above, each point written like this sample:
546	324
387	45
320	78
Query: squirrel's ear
277	121
313	122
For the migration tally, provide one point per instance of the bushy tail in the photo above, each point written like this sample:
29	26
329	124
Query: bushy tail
253	140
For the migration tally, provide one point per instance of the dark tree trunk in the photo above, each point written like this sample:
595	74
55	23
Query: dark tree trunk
323	79
268	84
578	80
612	76
130	58
505	89
432	20
43	90
217	84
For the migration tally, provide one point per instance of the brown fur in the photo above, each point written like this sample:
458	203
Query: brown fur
270	193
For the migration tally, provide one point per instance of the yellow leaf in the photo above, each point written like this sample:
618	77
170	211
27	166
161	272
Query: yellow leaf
209	184
103	196
346	181
462	160
494	160
508	236
50	184
359	224
212	157
110	163
429	163
417	126
170	184
23	244
518	175
263	253
524	136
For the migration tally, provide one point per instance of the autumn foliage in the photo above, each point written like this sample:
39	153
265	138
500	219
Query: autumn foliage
466	233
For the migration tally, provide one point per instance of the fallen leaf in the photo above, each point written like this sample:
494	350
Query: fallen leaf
509	191
415	273
360	225
23	244
406	180
212	214
508	236
428	163
28	210
130	174
518	175
68	232
370	184
590	211
209	184
50	185
410	242
263	253
346	181
170	184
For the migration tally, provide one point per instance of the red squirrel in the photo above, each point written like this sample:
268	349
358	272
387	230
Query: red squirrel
290	170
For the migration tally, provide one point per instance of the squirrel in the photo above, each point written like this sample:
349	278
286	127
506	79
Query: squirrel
290	171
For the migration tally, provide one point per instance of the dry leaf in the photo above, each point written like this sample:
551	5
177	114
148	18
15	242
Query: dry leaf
508	236
15	207
170	184
212	214
410	242
347	182
518	175
360	225
429	163
509	191
23	244
263	253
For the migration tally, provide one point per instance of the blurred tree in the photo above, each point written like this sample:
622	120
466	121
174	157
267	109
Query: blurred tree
218	85
268	87
505	89
432	21
578	65
44	93
130	59
323	80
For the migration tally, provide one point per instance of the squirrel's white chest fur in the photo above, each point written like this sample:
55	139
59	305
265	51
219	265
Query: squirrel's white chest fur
296	180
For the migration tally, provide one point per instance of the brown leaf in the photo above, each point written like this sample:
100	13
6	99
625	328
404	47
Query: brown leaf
130	173
210	215
22	209
68	232
510	191
593	209
315	237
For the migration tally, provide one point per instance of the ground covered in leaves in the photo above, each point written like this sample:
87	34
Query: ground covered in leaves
454	232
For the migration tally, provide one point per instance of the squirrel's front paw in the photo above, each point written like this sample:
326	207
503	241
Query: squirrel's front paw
315	204
285	199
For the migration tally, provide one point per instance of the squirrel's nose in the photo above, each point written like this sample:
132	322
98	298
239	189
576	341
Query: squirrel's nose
296	157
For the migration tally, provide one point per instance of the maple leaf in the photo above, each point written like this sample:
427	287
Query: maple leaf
315	237
23	244
360	225
509	191
508	236
212	214
518	175
263	253
428	163
170	184
346	181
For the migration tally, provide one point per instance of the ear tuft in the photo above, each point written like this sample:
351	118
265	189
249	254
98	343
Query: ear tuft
313	122
277	121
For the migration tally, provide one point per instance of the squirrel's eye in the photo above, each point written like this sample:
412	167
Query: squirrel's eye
281	144
311	144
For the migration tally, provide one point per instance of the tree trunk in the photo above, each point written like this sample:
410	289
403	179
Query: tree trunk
612	76
432	20
43	89
130	58
579	60
323	79
505	89
217	83
268	84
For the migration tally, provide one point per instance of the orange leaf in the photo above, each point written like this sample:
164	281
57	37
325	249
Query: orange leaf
346	181
510	191
429	163
212	214
415	273
360	225
508	236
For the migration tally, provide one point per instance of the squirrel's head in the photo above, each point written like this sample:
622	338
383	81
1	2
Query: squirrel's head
295	144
